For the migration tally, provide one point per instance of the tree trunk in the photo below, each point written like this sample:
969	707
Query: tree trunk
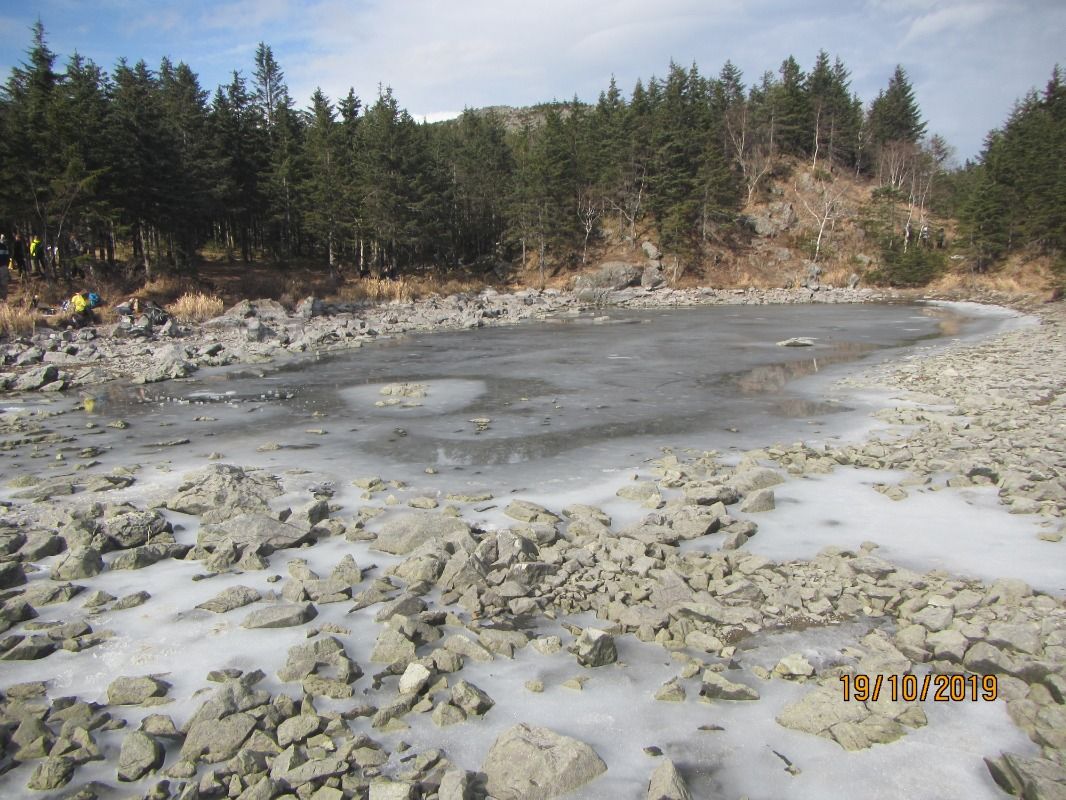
145	252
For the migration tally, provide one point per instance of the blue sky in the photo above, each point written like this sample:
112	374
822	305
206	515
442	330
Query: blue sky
969	60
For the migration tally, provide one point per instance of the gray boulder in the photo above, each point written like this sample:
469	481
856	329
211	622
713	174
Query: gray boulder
168	362
81	562
595	648
715	687
667	784
217	740
758	501
284	615
455	785
652	277
229	599
385	789
471	699
821	710
392	646
132	691
531	763
140	754
1037	778
51	773
11	574
776	218
310	307
31	355
407	532
754	478
134	528
223	486
255	532
36	378
611	275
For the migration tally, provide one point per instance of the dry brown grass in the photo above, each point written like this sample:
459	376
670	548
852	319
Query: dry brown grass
405	289
376	290
195	307
1021	276
16	321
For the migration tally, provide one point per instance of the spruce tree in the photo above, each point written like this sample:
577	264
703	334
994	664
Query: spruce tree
894	114
324	215
280	161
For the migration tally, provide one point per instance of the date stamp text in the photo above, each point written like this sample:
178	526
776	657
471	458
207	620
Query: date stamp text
954	688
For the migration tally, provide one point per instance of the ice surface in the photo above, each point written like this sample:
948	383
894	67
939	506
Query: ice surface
617	714
964	531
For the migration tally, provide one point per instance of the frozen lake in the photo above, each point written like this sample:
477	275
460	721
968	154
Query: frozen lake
557	412
564	401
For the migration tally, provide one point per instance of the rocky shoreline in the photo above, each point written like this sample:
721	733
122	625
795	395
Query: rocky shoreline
329	718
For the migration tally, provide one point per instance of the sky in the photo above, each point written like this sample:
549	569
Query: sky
969	61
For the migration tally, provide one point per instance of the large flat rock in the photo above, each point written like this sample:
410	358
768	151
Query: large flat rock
531	763
259	532
407	532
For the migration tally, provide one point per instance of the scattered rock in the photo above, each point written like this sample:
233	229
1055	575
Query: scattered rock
231	598
531	763
667	783
134	691
283	615
140	754
406	532
595	648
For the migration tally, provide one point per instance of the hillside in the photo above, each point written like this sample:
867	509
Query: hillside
773	240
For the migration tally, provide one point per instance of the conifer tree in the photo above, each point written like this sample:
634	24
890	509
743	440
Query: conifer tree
482	171
141	159
678	143
281	128
323	213
791	108
188	203
894	114
33	177
237	142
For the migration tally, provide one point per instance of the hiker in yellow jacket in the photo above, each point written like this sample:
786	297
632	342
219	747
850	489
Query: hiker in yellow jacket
36	256
81	308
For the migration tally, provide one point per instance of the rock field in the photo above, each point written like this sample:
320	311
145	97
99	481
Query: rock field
326	719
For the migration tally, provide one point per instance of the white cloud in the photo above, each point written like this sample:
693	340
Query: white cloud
968	59
491	51
950	19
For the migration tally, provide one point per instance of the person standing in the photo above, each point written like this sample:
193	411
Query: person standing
5	259
18	256
37	256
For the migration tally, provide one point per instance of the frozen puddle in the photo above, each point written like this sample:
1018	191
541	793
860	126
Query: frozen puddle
963	531
422	398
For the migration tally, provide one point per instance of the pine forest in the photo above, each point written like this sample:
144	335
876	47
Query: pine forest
142	168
